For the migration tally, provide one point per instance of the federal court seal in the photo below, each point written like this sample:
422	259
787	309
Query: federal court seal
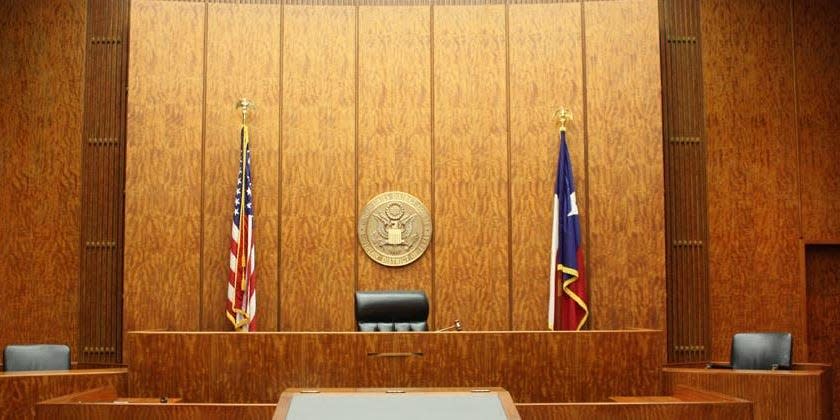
395	228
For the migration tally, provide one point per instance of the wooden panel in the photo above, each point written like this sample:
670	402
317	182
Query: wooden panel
234	72
598	379
626	253
818	117
102	403
545	73
651	411
822	274
523	363
394	126
103	167
686	215
20	391
265	356
471	167
317	231
775	395
753	210
171	365
40	164
163	166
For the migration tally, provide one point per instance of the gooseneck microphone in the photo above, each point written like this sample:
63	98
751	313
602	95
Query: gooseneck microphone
456	326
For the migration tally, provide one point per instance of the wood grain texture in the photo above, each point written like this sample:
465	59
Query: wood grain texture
241	63
171	365
632	411
142	411
626	261
775	395
163	166
317	203
394	127
817	55
752	187
546	72
40	164
822	274
523	363
471	167
20	391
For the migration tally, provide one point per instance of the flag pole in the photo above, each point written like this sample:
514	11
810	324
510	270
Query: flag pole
244	105
562	115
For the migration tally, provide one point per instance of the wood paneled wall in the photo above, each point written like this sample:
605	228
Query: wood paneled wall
451	103
770	82
40	164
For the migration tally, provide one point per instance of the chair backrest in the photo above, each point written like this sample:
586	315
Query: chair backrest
392	310
19	357
771	350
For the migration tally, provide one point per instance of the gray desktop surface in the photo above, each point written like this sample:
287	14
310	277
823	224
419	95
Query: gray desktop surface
364	406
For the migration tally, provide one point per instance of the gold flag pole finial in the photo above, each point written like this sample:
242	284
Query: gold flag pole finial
244	105
562	115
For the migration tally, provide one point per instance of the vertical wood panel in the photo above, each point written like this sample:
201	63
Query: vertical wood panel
40	164
686	231
241	63
545	73
394	149
753	206
317	231
471	167
163	166
627	256
822	274
817	54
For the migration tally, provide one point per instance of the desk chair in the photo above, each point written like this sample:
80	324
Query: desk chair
392	310
759	351
21	357
763	351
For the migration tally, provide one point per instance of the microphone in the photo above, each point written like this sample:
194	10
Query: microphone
456	326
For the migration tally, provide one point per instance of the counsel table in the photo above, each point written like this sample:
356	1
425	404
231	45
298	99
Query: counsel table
405	404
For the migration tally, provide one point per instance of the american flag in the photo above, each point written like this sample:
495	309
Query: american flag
241	308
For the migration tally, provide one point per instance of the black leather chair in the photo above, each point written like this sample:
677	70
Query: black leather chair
767	351
20	357
392	310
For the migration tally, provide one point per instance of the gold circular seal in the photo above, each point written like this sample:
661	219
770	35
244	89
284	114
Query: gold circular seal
395	228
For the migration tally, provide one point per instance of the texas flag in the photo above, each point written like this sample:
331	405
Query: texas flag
567	304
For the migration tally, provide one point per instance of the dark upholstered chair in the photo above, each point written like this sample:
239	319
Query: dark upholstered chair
759	351
392	310
770	350
19	357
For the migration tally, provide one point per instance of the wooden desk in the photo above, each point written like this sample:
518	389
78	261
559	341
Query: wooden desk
803	393
19	391
405	403
533	366
683	403
106	403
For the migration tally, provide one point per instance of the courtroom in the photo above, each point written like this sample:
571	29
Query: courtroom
420	209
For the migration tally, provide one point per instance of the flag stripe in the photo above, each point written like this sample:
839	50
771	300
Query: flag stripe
242	300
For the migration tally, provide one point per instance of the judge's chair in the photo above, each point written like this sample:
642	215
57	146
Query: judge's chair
392	310
22	357
760	351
